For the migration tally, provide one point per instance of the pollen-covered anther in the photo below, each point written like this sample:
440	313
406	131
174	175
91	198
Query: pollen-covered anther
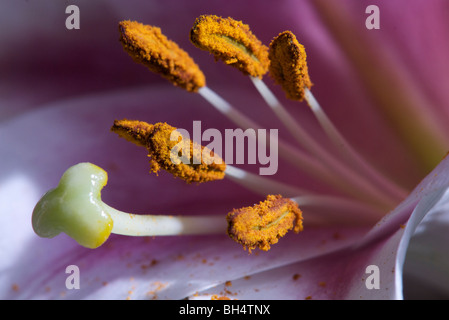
134	131
288	66
265	223
147	45
170	151
232	42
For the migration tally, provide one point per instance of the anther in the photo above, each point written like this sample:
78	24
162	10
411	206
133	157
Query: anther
137	132
165	144
75	207
265	223
288	66
148	46
232	42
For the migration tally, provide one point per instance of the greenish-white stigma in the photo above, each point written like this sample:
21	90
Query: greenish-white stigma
75	208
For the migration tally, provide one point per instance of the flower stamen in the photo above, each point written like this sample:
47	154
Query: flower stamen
321	209
336	174
162	147
296	157
289	69
280	50
265	223
288	66
139	132
197	163
148	46
349	153
346	171
232	42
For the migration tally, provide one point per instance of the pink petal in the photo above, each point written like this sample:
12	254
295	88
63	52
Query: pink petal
426	261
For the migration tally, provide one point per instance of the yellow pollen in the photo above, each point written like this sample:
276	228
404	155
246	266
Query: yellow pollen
148	46
200	165
134	131
231	41
264	224
288	66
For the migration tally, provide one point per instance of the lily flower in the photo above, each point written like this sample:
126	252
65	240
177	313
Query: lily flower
370	177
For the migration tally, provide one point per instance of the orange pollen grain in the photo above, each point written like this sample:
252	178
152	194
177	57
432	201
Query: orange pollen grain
265	223
232	42
200	163
288	66
148	46
217	297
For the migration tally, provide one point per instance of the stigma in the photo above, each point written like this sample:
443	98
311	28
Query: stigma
75	208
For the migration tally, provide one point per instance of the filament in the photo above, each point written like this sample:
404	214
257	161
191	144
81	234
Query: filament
301	160
348	152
